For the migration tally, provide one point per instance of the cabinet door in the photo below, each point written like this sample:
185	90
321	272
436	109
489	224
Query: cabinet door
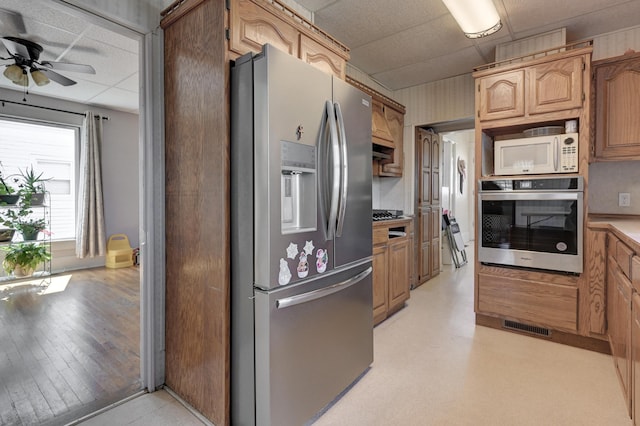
380	283
620	326
617	134
395	121
635	357
555	86
252	27
501	96
436	226
435	169
424	167
320	57
424	217
398	273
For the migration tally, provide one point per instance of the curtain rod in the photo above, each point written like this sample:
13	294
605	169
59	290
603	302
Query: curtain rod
3	101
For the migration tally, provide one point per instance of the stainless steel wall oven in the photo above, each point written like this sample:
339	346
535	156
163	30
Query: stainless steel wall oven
532	223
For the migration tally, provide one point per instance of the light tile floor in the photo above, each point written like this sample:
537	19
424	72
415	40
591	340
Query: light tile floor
434	366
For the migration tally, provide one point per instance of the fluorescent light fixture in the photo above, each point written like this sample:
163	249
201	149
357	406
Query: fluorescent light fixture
477	18
39	77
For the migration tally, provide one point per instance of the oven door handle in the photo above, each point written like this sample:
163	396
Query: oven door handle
530	196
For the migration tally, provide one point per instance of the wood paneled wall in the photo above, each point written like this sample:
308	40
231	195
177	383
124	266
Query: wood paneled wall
197	212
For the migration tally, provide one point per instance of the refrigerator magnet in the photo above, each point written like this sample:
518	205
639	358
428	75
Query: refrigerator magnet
303	266
308	248
321	260
292	251
285	274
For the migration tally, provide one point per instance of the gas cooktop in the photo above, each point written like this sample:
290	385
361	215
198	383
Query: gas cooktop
386	214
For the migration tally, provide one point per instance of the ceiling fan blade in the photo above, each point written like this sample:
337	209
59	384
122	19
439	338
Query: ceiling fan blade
15	48
65	66
12	22
58	78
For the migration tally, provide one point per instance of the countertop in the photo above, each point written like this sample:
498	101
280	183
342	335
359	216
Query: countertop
627	228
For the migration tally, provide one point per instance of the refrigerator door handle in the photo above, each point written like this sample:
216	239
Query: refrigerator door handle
344	175
332	151
323	292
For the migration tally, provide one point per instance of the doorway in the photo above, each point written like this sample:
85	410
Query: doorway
75	346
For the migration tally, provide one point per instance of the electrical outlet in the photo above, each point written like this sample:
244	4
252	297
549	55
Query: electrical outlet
624	199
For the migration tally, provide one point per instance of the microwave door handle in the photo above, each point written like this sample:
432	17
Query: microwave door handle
556	153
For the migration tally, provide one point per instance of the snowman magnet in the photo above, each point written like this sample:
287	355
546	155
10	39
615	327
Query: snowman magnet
284	276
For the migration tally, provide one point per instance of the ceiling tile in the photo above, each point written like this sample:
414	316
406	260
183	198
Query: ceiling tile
356	25
434	39
314	5
430	70
132	83
527	15
117	98
113	39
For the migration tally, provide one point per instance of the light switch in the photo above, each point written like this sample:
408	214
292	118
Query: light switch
624	199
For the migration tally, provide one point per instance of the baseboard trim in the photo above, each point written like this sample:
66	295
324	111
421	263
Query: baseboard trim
583	342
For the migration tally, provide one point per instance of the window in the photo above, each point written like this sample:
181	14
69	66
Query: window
50	149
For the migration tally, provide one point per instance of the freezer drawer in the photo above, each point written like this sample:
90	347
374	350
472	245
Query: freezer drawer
312	341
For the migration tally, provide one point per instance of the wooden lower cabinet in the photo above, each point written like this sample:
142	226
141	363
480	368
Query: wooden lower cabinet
533	302
619	307
380	283
399	259
635	358
392	257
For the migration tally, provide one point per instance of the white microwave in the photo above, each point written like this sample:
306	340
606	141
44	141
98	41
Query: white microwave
537	155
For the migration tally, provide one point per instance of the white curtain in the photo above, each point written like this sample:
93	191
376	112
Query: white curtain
90	233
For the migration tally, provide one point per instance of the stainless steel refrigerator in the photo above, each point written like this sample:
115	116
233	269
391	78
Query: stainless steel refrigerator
301	297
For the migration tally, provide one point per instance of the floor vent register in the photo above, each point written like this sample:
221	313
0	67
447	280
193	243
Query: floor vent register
532	329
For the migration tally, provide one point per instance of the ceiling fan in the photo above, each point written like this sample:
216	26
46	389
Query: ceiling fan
26	55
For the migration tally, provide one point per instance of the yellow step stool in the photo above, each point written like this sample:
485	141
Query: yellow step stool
119	252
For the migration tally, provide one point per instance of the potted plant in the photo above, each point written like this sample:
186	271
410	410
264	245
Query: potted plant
8	194
21	259
32	187
21	219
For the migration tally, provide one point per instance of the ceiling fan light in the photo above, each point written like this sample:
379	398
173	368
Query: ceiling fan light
13	73
22	81
477	18
39	77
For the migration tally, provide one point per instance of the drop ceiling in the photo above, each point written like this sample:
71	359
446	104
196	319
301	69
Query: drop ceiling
399	43
67	37
408	42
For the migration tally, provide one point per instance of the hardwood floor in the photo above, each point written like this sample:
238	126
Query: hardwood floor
70	348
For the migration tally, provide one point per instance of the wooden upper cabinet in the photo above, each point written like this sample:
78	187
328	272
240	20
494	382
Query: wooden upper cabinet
544	86
380	131
252	27
320	57
254	23
501	95
617	102
555	86
395	124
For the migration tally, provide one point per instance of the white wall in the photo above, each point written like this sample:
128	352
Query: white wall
462	204
119	161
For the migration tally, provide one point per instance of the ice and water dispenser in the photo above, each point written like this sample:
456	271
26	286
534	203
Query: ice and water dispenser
298	188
